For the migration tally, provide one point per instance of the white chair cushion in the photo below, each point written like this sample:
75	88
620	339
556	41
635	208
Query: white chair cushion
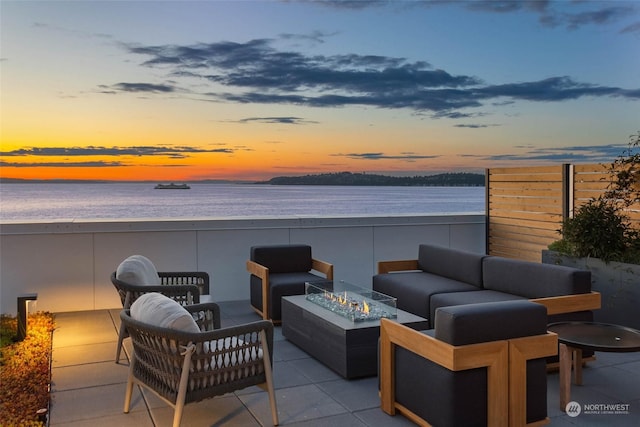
158	310
138	270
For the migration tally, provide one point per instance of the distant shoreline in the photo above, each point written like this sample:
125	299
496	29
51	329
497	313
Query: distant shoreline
453	179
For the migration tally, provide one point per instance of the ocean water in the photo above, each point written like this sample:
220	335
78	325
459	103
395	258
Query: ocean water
140	200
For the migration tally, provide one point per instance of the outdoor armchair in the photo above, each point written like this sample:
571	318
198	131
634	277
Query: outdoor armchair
281	270
137	275
483	365
182	355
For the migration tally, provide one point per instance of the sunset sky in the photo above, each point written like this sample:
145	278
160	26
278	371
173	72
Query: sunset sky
180	90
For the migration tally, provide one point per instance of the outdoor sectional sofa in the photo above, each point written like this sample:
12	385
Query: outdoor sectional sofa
442	277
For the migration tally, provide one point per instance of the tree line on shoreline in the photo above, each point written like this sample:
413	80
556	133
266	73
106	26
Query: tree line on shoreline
454	179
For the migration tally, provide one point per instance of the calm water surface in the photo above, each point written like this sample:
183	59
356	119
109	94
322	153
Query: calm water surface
141	200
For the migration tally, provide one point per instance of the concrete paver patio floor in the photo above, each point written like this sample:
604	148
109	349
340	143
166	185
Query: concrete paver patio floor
88	387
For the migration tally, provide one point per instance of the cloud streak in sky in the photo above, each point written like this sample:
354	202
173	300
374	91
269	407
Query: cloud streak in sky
258	72
409	157
570	15
139	151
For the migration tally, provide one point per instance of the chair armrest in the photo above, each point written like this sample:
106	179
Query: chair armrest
494	355
199	278
397	265
570	303
207	315
257	269
323	267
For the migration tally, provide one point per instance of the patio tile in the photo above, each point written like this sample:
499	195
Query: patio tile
286	374
295	404
71	328
82	354
286	350
133	419
355	395
342	420
314	370
88	375
92	403
375	417
226	410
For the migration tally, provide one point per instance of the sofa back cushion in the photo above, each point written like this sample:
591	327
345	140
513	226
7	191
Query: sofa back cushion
138	270
283	258
451	263
491	321
532	279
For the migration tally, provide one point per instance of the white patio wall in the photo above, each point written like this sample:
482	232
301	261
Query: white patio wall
68	264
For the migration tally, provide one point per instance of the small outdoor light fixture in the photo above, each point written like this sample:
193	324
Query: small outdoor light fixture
23	312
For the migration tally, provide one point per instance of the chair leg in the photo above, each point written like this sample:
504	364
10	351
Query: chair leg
129	390
121	336
269	375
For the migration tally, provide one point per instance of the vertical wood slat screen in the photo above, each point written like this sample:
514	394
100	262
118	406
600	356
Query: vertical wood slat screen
526	205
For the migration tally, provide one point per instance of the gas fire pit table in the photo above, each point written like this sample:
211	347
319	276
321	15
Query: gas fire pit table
339	324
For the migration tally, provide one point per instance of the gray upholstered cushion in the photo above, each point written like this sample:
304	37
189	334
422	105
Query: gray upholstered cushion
283	258
461	298
490	321
158	310
452	263
532	279
414	289
138	270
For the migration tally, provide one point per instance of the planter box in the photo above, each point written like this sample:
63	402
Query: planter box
618	284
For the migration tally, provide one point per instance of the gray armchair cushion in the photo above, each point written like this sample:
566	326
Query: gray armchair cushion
283	258
461	298
533	280
281	285
452	263
491	321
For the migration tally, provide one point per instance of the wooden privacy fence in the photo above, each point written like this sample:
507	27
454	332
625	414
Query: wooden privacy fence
526	205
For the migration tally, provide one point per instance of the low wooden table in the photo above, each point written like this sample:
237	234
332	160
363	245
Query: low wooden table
349	348
574	337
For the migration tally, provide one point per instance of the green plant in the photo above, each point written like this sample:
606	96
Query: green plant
25	370
601	228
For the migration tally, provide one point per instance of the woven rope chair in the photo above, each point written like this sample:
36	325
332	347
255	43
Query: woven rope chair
185	367
182	287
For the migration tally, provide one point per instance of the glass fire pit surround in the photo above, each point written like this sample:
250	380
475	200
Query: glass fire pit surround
353	302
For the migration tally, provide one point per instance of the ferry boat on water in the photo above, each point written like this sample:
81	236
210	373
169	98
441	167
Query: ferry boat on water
172	186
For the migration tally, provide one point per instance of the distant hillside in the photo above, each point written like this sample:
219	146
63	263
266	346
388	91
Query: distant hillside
348	178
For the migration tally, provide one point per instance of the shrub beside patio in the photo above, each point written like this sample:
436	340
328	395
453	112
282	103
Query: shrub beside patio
25	370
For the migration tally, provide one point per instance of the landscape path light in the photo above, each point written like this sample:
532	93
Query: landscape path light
23	312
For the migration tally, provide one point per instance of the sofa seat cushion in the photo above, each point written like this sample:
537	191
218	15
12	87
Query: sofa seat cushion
461	298
532	279
414	289
280	285
158	310
454	264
